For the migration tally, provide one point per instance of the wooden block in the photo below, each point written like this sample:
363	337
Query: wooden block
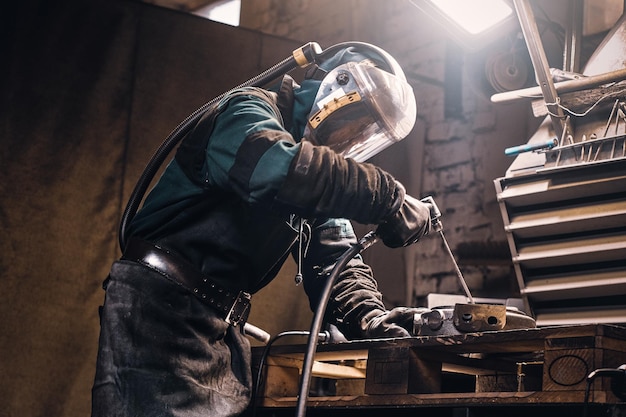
568	362
350	387
521	382
567	369
281	381
496	383
400	370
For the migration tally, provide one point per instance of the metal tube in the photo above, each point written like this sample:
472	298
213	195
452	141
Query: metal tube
516	150
540	62
573	37
562	87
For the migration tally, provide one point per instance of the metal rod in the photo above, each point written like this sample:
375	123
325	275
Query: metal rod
613	148
608	122
565	128
540	62
573	36
563	86
458	271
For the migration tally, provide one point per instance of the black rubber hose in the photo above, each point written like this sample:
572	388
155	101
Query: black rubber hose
325	336
316	325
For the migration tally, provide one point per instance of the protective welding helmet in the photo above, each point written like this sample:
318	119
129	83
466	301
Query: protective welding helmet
361	109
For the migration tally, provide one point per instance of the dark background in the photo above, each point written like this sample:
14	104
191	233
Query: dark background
88	91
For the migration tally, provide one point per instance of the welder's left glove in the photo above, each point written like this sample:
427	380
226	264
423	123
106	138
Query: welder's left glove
397	322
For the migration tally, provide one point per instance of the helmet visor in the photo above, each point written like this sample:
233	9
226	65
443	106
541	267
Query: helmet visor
361	110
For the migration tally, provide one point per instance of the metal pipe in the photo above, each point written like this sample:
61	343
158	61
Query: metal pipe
562	87
540	62
573	37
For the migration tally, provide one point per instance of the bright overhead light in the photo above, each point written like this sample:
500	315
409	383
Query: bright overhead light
223	11
474	16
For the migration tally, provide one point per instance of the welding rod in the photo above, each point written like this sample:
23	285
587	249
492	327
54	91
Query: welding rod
456	267
437	226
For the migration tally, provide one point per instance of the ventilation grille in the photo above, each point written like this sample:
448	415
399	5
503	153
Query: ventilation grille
566	229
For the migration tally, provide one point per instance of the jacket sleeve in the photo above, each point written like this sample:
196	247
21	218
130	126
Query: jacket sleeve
355	294
321	183
249	151
252	154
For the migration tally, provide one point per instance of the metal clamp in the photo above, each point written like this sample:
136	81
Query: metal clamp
240	309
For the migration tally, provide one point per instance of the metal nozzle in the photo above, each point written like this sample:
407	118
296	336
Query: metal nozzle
256	332
307	53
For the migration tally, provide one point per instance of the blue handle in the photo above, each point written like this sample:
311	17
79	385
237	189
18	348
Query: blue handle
516	150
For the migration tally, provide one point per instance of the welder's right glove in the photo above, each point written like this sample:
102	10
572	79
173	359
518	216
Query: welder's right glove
407	225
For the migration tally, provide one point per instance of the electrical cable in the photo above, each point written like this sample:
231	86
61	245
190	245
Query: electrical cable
619	372
322	337
589	109
316	325
176	136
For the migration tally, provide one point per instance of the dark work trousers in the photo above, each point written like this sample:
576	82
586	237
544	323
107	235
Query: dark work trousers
164	353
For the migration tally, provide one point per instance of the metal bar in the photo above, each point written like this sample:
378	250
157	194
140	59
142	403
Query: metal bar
573	37
608	122
562	87
457	269
540	62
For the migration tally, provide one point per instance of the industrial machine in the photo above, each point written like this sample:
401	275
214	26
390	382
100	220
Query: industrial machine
563	199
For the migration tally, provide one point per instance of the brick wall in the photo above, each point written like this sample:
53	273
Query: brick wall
461	136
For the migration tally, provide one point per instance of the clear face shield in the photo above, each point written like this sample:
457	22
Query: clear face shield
360	110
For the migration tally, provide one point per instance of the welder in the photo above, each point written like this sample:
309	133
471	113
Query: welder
264	174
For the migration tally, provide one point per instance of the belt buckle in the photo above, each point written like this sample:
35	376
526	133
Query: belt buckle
239	310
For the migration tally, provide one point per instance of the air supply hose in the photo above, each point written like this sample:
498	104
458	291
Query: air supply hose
305	55
316	325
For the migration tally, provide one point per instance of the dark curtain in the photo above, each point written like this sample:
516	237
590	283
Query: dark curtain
88	91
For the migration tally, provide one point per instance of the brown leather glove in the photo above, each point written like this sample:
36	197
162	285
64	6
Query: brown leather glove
397	322
407	225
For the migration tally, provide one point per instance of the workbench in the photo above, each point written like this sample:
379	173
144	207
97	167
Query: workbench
538	371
